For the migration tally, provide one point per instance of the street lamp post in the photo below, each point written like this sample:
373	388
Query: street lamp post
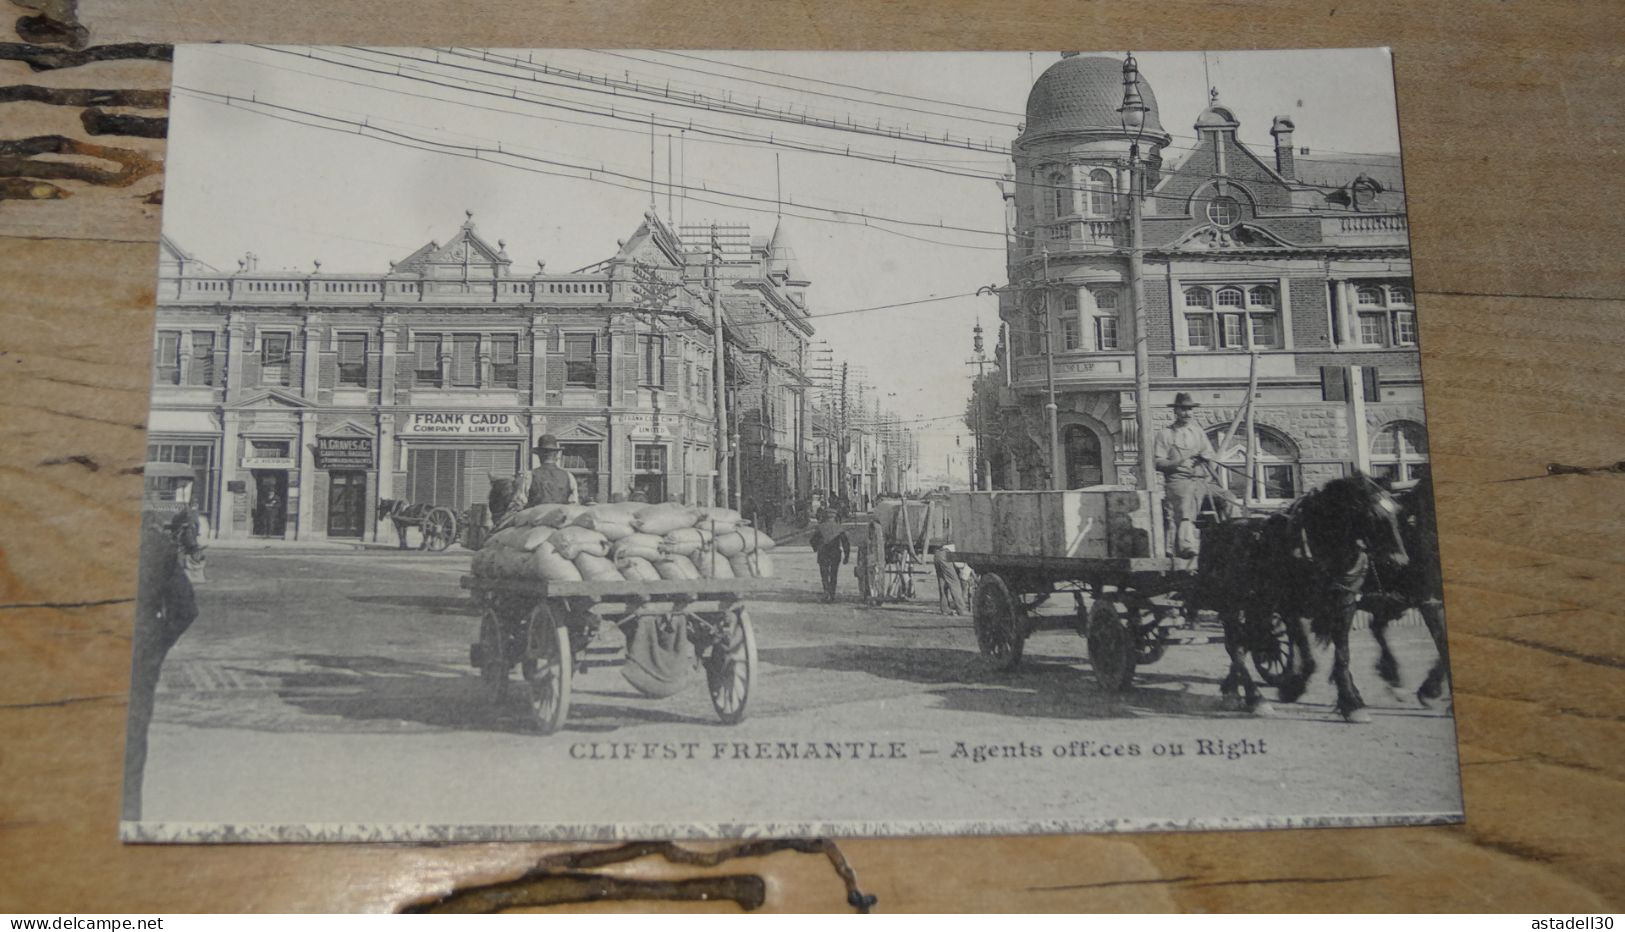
1133	113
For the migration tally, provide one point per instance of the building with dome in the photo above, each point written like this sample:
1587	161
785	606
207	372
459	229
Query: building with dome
1301	261
302	398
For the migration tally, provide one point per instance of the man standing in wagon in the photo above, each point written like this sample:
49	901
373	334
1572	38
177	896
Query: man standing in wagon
1181	452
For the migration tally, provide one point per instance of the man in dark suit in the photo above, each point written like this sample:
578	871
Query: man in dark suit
830	543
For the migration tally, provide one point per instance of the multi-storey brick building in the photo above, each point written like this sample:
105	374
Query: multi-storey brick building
1303	262
301	399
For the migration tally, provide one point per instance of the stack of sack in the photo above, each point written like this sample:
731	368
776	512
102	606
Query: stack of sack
629	541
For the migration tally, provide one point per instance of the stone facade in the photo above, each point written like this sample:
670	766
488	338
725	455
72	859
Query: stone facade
1300	264
302	399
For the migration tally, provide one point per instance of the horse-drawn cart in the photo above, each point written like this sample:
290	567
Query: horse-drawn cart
543	627
1093	544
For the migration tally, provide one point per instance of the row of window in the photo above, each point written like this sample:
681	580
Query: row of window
441	360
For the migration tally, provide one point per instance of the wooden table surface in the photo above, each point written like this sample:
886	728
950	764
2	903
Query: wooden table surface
1511	120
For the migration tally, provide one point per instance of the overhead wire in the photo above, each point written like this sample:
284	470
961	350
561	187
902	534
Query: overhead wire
802	146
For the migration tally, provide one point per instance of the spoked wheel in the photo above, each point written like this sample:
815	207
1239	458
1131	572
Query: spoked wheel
1271	648
1000	621
730	666
493	656
439	529
1112	645
547	669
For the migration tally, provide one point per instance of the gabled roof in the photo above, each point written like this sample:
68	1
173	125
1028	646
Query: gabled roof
1337	174
271	398
653	238
171	253
467	248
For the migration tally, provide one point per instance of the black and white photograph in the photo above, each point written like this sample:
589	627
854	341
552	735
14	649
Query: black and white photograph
623	444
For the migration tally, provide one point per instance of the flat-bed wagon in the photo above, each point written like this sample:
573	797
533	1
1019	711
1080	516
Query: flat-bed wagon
1029	547
543	627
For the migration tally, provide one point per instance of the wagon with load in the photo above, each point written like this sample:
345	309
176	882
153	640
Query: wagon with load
901	535
673	579
1093	545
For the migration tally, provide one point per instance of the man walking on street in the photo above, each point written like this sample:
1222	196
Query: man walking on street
829	541
1181	453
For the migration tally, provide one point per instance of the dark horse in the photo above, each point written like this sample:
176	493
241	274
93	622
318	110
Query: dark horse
1390	591
404	515
1311	560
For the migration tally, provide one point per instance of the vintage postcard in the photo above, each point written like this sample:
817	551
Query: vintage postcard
569	444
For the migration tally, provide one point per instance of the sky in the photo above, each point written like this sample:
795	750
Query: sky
344	184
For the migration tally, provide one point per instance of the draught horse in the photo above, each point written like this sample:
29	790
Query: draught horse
1390	591
403	515
1310	561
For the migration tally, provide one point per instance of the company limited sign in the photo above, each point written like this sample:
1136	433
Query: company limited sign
466	424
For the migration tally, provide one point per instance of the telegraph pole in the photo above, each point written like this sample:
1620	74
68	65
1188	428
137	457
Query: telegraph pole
1057	476
718	367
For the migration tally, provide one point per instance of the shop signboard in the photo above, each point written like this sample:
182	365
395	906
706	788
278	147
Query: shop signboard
344	453
466	424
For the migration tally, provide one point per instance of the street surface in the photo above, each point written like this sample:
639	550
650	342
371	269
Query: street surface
333	686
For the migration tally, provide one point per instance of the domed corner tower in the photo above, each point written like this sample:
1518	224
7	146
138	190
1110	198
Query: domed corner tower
1068	306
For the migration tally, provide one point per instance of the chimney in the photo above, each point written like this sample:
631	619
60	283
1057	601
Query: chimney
1282	131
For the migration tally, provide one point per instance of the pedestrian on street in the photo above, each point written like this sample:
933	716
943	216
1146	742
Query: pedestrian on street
165	606
950	587
830	543
1181	453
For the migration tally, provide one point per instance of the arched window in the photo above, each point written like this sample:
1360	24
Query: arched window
1368	295
1261	296
1198	297
1061	189
1274	474
1399	294
1106	299
1083	460
1230	297
1399	452
1102	203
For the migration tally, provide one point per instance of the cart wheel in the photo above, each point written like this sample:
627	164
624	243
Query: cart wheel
493	656
1150	638
439	529
1272	651
547	670
1001	629
730	667
1112	650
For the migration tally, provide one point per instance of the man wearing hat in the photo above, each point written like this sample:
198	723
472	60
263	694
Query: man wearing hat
549	483
1181	452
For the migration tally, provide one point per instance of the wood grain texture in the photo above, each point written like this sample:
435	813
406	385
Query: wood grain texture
1511	131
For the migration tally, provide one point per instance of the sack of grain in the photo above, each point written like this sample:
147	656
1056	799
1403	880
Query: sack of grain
545	563
571	542
712	565
721	517
663	519
646	546
612	530
751	564
685	541
676	567
481	564
549	515
637	569
597	569
508	563
614	513
742	540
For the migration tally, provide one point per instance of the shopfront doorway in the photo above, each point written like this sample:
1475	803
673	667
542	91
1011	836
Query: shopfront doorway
346	503
270	502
